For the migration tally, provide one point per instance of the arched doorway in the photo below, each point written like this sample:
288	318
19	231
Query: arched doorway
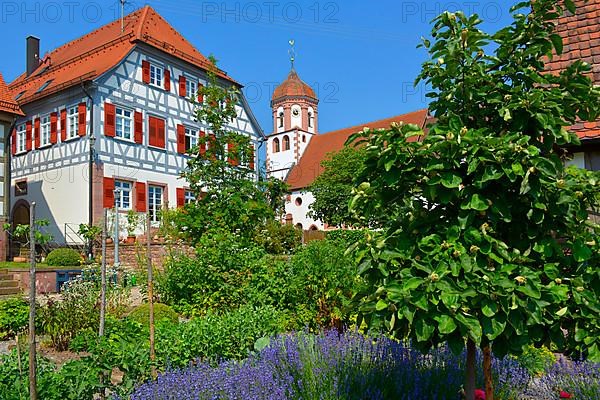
20	216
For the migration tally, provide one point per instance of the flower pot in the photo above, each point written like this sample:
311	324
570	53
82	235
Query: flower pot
130	240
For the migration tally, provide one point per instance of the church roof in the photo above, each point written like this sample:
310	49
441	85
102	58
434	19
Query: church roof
581	41
95	53
293	86
7	104
309	167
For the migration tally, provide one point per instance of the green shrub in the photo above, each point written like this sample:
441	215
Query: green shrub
141	314
278	238
537	360
14	316
215	278
348	237
63	257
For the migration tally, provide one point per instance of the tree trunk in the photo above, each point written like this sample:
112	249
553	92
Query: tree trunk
470	371
487	372
32	349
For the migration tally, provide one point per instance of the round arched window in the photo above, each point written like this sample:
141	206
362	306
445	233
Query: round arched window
298	201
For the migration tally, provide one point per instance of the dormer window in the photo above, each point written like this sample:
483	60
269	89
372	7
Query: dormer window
156	75
286	143
44	86
276	148
280	119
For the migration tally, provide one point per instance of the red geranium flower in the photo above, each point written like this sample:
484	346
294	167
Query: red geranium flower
565	395
479	394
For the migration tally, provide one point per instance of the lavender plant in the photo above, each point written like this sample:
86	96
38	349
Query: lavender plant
331	366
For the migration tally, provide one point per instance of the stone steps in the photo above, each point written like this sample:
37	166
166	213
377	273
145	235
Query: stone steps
8	285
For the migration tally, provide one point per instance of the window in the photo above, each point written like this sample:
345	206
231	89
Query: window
44	131
44	86
21	138
20	188
156	75
123	199
189	197
303	138
286	143
280	118
156	132
310	119
191	88
298	201
276	145
123	123
191	138
155	201
72	120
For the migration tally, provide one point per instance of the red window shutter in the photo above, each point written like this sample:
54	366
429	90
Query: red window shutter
14	142
146	71
202	143
109	195
152	131
82	116
28	136
181	139
36	132
138	127
251	155
200	98
212	141
232	157
140	196
180	197
53	127
109	119
160	131
167	80
182	82
63	125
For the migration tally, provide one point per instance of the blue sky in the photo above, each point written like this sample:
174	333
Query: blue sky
359	55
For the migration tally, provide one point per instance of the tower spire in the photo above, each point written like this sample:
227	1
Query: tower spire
292	52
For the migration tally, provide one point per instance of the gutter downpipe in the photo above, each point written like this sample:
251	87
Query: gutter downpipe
92	141
8	182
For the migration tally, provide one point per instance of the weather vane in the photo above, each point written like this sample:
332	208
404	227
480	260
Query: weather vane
292	52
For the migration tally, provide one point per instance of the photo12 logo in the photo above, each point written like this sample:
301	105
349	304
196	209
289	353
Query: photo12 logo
63	11
270	12
425	11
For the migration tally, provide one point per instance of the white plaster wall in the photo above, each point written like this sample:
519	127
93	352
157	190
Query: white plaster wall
61	197
300	213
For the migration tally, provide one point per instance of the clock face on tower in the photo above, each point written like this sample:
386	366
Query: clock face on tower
295	112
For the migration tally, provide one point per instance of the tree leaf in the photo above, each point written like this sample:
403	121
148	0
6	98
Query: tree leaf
581	252
446	324
557	42
423	330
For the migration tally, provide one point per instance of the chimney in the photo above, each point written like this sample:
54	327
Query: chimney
33	54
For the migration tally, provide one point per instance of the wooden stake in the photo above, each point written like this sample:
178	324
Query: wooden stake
487	373
103	278
150	293
32	349
470	370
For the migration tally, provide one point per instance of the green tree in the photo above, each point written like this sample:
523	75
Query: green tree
228	193
488	237
333	188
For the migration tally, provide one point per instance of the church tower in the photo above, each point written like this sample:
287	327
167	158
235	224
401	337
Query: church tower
295	116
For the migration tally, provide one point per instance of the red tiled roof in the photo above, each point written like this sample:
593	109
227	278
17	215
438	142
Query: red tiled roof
581	40
97	52
293	86
309	167
7	104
